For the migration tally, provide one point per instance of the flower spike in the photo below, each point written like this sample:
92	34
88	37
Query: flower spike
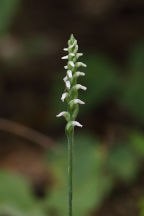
72	87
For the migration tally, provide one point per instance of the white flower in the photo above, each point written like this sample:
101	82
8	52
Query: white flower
68	85
65	49
77	101
79	55
79	86
65	57
71	63
78	73
64	95
76	123
72	54
61	114
65	79
81	64
66	67
69	73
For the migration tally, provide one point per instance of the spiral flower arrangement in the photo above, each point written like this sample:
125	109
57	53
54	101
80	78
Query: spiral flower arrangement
71	97
71	93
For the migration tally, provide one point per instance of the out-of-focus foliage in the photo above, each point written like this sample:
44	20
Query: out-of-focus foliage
133	86
16	197
141	206
137	141
101	80
8	10
96	171
123	163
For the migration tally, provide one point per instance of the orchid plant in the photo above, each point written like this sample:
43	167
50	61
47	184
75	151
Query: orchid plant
71	97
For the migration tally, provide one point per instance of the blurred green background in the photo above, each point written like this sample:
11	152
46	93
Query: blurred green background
109	150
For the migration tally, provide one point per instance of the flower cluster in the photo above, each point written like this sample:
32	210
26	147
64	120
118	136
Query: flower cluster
71	93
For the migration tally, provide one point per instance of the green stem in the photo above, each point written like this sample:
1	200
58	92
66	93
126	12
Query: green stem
70	170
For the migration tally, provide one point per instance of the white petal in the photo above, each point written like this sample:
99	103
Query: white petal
79	86
65	49
69	73
68	85
72	54
65	57
79	64
77	101
61	114
79	55
64	95
65	79
66	67
78	73
76	123
71	63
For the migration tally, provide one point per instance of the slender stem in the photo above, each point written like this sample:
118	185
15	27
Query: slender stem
70	171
